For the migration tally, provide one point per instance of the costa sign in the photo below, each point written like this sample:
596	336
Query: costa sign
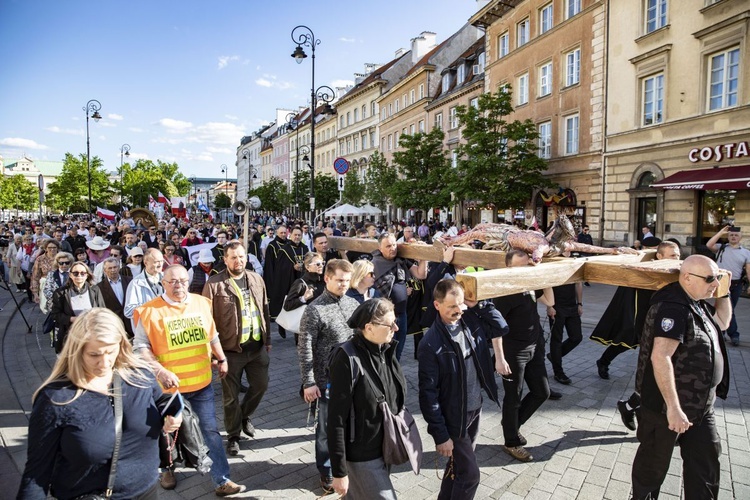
719	153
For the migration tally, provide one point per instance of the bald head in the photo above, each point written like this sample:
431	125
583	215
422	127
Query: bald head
699	277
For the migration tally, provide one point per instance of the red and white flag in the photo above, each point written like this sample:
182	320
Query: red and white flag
534	223
163	199
105	214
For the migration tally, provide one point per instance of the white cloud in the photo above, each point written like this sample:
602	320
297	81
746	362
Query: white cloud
269	81
138	156
225	60
213	134
114	116
135	129
231	117
226	151
174	125
347	40
18	142
106	124
70	131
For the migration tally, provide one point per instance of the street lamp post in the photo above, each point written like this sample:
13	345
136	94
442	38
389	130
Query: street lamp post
225	171
292	121
323	93
93	107
124	151
251	171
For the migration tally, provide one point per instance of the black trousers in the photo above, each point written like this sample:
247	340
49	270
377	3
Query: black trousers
526	364
255	367
557	348
463	465
700	448
611	352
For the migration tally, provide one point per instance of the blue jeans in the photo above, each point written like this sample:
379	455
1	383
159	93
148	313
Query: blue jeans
322	457
734	296
400	335
203	405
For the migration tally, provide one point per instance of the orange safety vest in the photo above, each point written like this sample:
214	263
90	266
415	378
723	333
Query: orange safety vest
180	335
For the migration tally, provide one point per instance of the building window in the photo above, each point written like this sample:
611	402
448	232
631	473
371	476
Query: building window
454	158
446	81
372	139
656	15
653	99
461	74
390	109
421	90
356	144
522	32
390	142
572	7
348	146
545	140
523	88
571	135
439	120
503	46
723	78
348	118
545	79
342	121
364	141
396	106
412	96
412	129
452	118
374	108
395	139
474	103
573	67
356	115
364	111
545	18
421	125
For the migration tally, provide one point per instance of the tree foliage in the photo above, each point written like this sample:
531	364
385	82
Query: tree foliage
379	180
273	195
69	193
19	193
354	189
425	175
498	164
148	178
222	200
326	191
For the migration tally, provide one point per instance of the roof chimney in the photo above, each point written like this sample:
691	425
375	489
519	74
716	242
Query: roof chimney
421	45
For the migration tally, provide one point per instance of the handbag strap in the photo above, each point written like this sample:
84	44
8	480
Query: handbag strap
118	433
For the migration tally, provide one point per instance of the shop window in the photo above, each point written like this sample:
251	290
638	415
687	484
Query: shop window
718	210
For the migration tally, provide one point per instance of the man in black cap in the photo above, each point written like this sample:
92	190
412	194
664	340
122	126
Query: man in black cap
735	258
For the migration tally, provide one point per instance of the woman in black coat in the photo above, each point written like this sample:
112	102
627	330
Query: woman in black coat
307	288
72	299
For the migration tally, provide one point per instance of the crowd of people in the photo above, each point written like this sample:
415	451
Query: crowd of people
140	310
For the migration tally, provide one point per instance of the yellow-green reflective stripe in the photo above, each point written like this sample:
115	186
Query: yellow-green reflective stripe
184	353
191	367
195	380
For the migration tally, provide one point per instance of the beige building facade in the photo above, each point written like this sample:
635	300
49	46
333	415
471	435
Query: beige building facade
553	56
678	120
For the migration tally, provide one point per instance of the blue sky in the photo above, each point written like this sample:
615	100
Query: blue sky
183	80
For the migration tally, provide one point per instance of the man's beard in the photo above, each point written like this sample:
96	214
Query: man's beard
233	274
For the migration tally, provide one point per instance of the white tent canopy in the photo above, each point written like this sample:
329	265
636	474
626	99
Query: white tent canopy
343	211
370	210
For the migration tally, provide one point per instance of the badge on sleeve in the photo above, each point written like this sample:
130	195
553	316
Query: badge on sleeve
667	324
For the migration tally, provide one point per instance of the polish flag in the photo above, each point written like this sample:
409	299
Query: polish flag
163	199
105	214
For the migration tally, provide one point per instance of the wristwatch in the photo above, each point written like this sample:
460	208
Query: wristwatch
221	360
580	303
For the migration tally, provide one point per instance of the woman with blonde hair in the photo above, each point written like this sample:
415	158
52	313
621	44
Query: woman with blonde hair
72	425
362	284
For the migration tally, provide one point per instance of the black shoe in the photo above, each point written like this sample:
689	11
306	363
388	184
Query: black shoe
586	283
247	427
326	482
554	395
233	446
521	439
562	378
628	416
735	341
603	369
243	388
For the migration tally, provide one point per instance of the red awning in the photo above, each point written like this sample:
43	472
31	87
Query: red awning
708	178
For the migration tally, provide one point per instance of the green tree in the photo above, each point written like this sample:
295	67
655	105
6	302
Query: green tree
354	189
69	192
498	164
222	201
379	180
148	178
326	191
273	195
18	193
425	175
303	196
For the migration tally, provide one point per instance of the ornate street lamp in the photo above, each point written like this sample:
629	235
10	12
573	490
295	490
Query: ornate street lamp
251	171
323	93
225	171
124	151
93	107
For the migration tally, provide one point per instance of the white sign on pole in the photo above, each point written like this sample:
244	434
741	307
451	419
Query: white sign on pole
341	182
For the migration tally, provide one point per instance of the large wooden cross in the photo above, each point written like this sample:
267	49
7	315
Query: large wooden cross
635	271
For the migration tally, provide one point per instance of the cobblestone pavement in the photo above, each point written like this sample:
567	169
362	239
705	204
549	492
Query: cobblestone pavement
581	449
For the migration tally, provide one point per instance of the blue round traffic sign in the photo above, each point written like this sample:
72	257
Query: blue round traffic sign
341	165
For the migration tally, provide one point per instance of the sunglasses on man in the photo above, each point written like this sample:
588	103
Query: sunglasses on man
708	279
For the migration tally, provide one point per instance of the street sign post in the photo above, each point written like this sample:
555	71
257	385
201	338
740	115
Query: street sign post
341	166
341	182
